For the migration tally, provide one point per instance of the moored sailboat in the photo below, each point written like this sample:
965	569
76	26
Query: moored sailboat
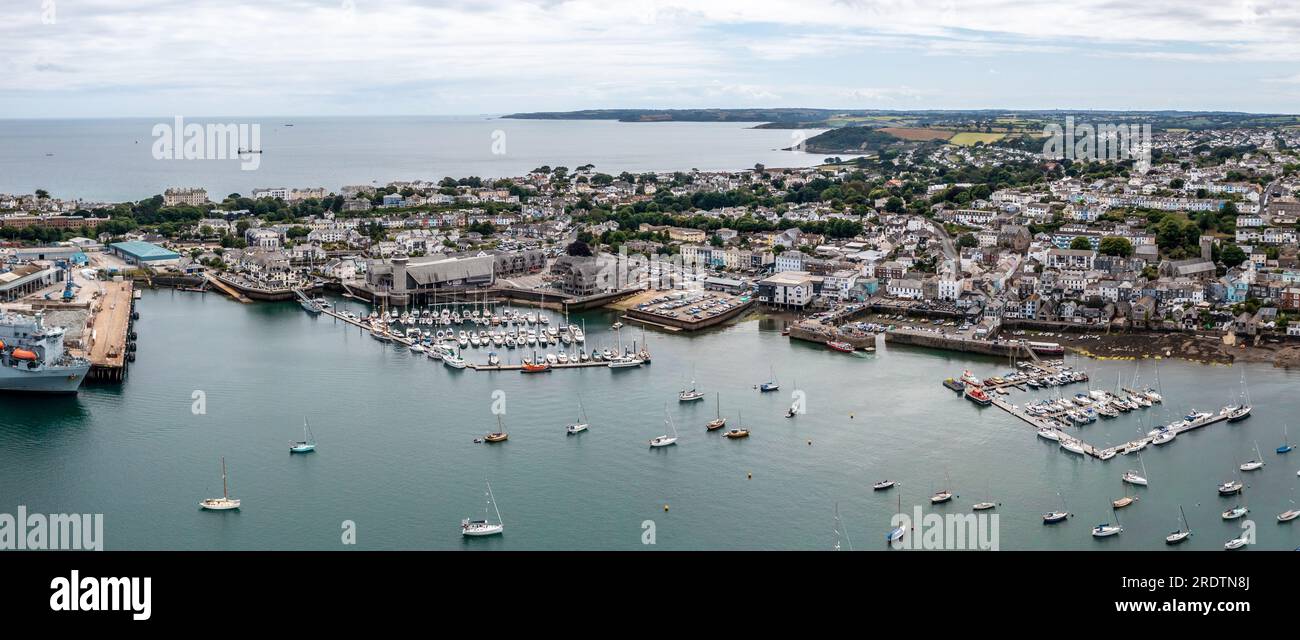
225	502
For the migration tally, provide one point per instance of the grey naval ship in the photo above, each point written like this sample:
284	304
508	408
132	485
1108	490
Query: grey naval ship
32	358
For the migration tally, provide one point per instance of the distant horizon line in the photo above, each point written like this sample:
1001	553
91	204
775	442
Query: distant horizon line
502	115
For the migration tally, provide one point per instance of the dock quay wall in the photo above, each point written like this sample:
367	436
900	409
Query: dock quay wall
822	335
1001	348
686	324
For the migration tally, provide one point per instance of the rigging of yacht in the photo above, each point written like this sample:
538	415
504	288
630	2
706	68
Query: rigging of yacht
771	384
1256	464
308	442
1286	442
483	527
665	440
225	502
581	425
1181	535
718	422
499	435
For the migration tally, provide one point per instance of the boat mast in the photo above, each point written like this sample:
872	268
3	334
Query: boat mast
225	492
493	501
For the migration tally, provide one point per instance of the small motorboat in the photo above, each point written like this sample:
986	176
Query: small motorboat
532	367
1230	487
1288	515
883	484
842	347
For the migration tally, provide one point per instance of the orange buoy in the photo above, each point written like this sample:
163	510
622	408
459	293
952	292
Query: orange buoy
23	354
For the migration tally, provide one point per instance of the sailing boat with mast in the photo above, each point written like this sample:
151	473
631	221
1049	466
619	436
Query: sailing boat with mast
1256	464
897	533
1286	442
665	440
740	431
691	394
1182	534
943	495
1133	477
1241	410
1106	529
989	504
225	502
718	422
499	435
475	528
308	442
581	425
1053	517
771	384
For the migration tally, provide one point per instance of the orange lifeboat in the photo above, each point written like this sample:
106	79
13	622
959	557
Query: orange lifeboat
2	345
23	354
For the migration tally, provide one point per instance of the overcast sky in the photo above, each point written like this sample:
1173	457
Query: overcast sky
94	58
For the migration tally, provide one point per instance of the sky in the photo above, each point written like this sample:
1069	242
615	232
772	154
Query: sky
148	58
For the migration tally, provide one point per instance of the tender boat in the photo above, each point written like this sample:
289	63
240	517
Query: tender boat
225	502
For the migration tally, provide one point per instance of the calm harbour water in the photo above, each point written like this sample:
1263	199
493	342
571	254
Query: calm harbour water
396	455
112	159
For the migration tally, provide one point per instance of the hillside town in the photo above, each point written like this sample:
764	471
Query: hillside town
1204	241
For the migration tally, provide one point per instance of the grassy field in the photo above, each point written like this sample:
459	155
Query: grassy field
907	133
968	138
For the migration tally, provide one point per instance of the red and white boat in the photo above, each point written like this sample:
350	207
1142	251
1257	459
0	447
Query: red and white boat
840	346
977	395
